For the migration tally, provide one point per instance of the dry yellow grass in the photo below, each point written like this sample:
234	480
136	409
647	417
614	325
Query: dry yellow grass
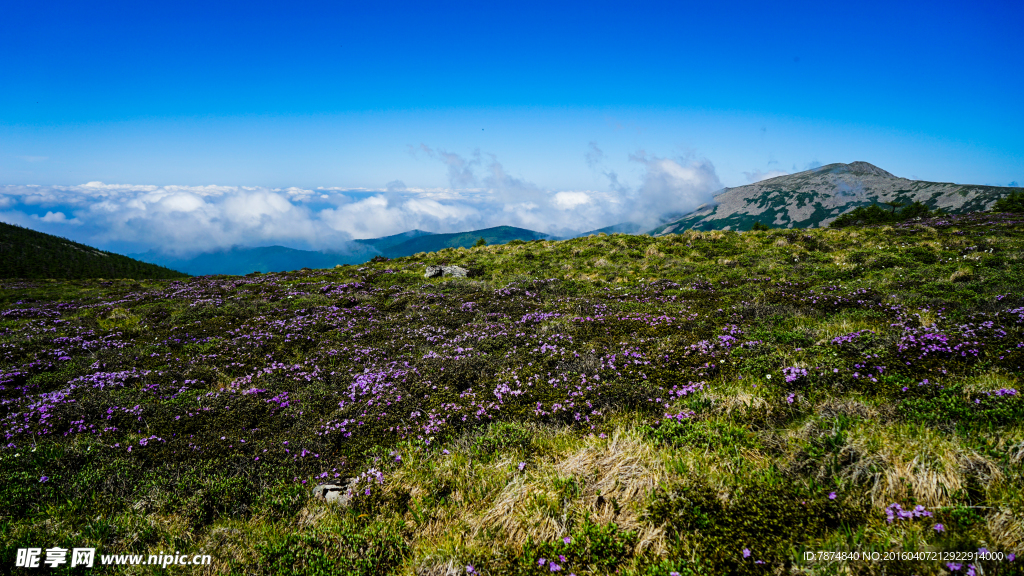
739	400
961	275
653	252
617	474
991	381
1006	528
825	331
904	461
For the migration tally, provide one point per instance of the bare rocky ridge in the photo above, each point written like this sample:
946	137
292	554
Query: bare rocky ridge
815	198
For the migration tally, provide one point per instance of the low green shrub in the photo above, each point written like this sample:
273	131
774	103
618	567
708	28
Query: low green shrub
762	521
351	548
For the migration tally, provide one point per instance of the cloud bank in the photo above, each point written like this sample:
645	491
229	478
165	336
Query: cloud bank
186	220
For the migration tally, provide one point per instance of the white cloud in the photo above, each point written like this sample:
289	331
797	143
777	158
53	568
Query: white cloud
571	200
757	175
672	186
58	218
482	193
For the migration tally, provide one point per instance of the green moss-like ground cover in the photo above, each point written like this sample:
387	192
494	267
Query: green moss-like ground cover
702	403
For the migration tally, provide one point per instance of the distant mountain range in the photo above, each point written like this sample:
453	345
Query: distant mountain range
243	260
623	228
26	253
240	260
816	197
427	242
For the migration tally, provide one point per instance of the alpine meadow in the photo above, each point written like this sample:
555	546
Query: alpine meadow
712	402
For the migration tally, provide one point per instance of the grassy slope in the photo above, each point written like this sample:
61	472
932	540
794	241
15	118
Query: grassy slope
629	403
435	242
26	253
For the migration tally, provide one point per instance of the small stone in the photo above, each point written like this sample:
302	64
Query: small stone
454	271
321	490
334	493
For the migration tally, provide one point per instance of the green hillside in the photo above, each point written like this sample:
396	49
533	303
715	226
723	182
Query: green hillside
435	242
26	253
703	403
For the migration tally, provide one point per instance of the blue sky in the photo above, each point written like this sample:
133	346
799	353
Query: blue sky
474	106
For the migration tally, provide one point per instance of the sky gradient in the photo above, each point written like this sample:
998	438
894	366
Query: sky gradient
484	109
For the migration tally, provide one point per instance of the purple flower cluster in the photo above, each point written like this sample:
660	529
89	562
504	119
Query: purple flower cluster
851	337
895	512
794	373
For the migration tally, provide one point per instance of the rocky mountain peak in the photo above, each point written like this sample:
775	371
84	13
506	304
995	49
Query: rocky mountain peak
860	168
816	197
866	168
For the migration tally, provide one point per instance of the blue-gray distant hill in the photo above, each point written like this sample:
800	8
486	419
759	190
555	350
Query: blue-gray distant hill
622	228
26	253
241	260
388	242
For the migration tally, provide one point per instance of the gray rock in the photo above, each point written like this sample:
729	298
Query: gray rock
333	493
454	271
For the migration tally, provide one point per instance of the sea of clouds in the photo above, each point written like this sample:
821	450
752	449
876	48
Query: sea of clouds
186	220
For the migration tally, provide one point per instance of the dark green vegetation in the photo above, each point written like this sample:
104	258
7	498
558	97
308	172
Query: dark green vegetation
701	403
1014	202
875	214
26	253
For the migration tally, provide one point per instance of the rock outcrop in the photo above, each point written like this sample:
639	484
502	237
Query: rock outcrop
454	271
334	493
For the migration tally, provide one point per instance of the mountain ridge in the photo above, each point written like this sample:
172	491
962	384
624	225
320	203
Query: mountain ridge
814	198
27	253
